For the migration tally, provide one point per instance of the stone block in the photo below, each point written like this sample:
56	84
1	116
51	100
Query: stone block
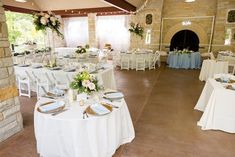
2	18
8	62
4	30
4	43
3	73
4	83
2	53
7	52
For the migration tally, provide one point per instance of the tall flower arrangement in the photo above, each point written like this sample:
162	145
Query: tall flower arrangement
42	21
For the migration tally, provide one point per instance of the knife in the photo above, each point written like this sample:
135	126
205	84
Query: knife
61	111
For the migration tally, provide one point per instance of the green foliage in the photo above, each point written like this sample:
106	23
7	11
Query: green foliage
21	29
80	50
137	29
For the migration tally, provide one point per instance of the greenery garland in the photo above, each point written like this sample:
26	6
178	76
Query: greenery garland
137	29
42	21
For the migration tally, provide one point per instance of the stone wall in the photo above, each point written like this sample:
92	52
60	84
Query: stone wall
10	116
220	26
169	14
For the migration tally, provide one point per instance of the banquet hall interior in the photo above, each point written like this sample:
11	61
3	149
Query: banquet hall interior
117	78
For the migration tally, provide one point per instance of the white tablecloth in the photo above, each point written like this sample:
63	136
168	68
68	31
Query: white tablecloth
217	103
69	135
212	67
105	77
64	51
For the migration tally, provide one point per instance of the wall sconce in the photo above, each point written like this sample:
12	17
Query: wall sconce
186	23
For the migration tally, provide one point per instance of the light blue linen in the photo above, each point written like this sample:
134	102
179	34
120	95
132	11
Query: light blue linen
184	61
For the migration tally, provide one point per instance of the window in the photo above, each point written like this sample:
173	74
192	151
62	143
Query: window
228	36
113	30
148	37
76	31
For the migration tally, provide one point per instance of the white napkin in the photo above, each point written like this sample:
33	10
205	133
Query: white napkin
99	109
52	106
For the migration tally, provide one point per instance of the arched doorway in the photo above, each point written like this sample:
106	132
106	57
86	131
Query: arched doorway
185	39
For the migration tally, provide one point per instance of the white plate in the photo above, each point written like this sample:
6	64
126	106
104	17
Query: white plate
52	106
113	95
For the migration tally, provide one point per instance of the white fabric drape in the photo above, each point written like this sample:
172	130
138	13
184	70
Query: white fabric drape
76	31
113	30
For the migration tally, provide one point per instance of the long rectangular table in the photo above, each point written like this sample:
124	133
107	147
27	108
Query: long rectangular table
184	61
218	106
105	77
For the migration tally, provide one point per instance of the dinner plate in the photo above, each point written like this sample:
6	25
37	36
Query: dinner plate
113	95
55	68
69	69
23	65
99	109
51	107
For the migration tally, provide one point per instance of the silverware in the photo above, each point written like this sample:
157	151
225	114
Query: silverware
61	111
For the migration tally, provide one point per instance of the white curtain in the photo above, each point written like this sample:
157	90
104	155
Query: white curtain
113	30
76	31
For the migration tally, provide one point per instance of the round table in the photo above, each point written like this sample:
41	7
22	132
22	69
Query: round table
212	67
69	135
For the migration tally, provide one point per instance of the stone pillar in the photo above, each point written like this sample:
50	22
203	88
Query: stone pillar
10	116
92	30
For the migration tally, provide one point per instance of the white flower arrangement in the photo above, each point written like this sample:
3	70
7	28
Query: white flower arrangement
85	83
42	21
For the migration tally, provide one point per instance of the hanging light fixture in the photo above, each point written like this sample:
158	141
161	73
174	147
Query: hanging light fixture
189	1
186	23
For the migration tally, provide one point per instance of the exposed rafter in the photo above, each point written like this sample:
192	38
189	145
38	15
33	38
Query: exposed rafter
122	4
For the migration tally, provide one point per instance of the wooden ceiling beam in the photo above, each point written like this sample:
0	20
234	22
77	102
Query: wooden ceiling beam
121	4
18	9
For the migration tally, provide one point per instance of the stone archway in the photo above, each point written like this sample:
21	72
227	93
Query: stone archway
185	39
202	35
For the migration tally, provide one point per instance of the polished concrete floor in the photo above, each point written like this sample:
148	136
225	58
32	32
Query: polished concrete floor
161	104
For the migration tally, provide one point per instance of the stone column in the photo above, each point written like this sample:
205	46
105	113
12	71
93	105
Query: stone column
10	116
92	30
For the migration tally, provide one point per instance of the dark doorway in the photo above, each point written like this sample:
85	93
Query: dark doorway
185	39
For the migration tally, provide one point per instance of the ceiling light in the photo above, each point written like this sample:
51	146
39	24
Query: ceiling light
189	1
22	1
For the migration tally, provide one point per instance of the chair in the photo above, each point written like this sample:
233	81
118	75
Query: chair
153	59
58	83
43	80
212	56
24	81
125	61
231	65
140	61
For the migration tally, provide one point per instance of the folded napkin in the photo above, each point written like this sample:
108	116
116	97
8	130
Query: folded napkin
52	106
99	109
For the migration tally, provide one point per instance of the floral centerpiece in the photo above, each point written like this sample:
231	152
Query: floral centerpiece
85	83
42	21
80	50
137	29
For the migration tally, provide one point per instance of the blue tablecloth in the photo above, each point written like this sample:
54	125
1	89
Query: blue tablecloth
184	61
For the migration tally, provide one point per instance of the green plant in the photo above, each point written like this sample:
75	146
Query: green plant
137	29
80	50
85	83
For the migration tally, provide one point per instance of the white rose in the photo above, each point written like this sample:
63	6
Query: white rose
43	20
91	86
53	23
53	19
47	16
86	83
